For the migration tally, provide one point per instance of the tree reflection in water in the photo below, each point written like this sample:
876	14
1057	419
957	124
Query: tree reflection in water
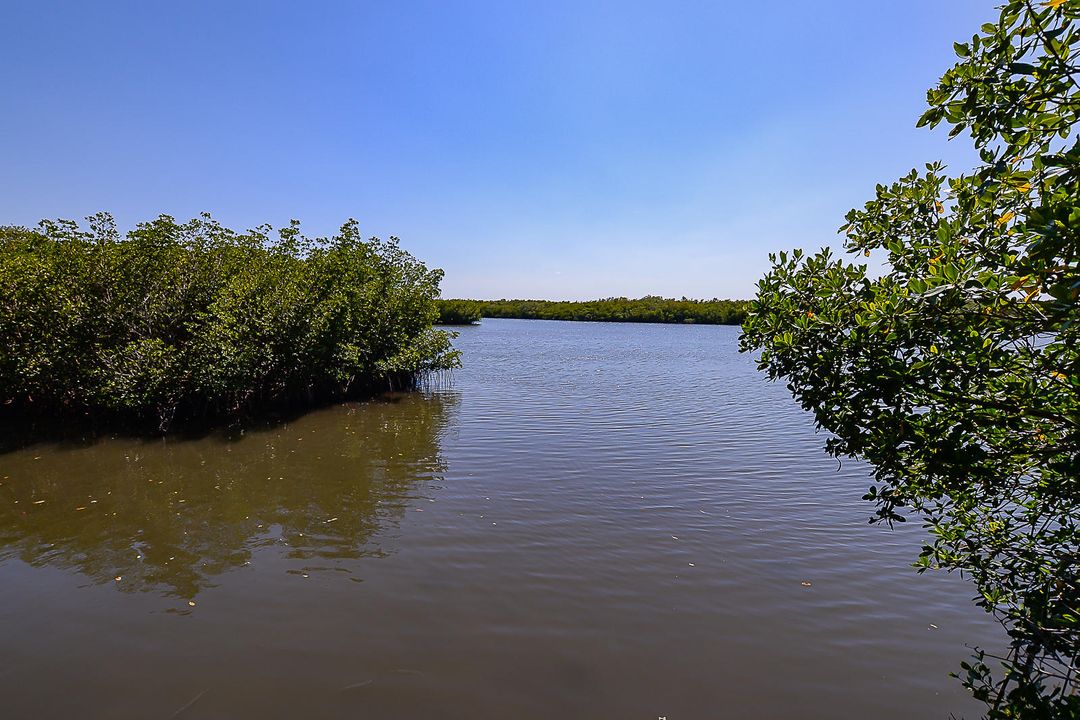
167	516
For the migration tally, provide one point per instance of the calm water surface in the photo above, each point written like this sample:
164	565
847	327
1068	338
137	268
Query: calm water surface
590	521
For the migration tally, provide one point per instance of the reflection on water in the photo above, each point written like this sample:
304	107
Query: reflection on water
593	521
170	516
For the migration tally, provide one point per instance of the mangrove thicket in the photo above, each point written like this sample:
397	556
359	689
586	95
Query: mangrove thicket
193	320
956	372
649	309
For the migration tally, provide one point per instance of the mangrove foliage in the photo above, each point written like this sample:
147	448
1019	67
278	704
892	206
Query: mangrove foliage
649	309
956	373
194	320
459	312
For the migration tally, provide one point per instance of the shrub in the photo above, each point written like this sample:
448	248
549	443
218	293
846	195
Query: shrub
458	312
193	320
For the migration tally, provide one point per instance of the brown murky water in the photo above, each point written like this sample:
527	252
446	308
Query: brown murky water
590	521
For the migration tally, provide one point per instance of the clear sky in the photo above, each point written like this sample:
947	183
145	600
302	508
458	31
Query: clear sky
549	149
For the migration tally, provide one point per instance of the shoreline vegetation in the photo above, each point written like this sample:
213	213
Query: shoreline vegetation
194	322
649	309
954	372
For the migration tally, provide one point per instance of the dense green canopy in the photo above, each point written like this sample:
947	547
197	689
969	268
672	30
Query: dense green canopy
956	372
193	319
650	309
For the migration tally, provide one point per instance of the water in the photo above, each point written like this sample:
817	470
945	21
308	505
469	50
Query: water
589	521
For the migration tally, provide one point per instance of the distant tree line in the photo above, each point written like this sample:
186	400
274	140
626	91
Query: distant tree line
649	309
193	320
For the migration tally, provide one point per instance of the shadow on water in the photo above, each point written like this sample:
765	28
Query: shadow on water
168	515
18	430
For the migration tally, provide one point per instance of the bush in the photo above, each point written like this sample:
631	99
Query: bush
955	372
458	312
195	320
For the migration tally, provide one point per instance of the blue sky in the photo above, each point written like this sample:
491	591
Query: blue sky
530	149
